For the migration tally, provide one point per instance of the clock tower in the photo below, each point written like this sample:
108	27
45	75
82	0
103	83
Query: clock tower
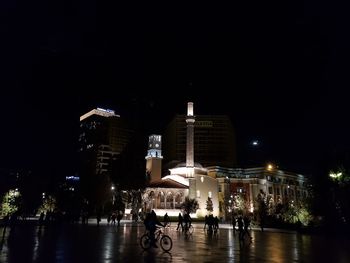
154	158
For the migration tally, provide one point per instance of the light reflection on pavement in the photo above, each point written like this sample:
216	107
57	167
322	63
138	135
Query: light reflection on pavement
79	243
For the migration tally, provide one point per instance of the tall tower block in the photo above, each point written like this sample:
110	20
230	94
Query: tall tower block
154	158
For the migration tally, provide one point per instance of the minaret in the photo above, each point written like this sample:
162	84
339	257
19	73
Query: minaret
190	119
154	158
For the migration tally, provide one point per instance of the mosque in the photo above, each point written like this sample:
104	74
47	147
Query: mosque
215	184
189	179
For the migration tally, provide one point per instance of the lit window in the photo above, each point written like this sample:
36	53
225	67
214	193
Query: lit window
198	194
202	179
209	194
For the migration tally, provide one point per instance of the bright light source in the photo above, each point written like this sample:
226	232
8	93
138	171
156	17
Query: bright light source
190	109
335	175
269	167
112	188
255	143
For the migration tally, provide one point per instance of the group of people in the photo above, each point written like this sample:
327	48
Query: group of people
184	222
151	223
118	215
243	223
212	223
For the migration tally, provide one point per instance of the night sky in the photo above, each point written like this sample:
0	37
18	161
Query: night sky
279	69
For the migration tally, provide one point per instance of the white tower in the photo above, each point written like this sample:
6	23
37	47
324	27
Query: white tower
190	119
154	158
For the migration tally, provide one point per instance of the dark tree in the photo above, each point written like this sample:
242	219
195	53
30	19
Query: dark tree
189	205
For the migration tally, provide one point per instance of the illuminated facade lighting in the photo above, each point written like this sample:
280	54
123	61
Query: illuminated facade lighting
100	112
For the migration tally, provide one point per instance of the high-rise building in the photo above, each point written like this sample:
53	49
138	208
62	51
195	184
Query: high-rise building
103	137
103	127
214	140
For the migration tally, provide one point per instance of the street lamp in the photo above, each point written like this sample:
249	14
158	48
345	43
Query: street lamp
113	197
269	167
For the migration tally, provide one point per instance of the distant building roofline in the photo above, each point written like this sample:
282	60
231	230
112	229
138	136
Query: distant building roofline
100	112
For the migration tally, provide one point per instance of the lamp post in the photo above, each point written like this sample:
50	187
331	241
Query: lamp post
113	194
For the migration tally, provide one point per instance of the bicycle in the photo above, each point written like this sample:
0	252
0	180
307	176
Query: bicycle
165	241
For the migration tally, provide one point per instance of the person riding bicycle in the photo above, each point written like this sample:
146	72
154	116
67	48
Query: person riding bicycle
151	222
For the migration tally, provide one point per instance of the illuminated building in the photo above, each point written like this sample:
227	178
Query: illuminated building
190	179
219	183
100	127
154	158
281	186
103	137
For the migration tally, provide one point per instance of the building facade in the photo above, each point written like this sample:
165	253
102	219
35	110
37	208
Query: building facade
103	137
214	141
280	186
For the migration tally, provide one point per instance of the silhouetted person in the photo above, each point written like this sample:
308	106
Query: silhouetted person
180	222
246	221
166	219
210	223
234	224
98	217
216	223
205	221
240	228
119	217
187	221
151	223
114	216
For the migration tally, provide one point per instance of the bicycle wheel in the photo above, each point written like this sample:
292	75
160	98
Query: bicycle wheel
166	243
145	241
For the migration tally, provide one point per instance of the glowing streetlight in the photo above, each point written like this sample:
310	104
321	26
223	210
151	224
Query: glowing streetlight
113	197
269	167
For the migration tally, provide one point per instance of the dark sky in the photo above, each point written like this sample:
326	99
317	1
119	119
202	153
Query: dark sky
279	69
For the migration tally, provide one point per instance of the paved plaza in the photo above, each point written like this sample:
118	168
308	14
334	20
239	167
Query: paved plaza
104	243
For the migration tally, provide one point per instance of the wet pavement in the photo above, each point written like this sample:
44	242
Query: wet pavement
89	243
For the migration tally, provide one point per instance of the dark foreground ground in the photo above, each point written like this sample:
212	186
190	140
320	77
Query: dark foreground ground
89	243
